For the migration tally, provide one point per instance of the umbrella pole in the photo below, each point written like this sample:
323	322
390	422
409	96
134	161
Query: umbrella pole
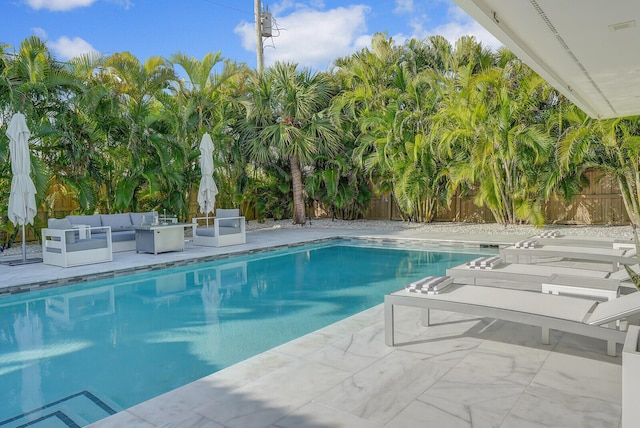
24	245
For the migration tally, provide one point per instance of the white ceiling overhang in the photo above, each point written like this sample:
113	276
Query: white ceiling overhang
587	49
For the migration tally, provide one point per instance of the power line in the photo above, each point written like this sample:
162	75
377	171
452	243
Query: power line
229	7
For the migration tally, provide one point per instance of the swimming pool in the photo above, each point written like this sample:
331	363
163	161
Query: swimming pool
79	353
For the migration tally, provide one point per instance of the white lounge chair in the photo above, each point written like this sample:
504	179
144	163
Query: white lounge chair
565	313
585	241
529	273
614	256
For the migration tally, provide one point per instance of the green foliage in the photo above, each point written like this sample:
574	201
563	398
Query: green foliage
420	121
634	276
269	195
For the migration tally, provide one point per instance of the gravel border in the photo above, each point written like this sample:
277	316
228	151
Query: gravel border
386	225
449	227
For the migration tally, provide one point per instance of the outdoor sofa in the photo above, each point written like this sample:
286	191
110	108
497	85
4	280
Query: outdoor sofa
123	235
592	318
226	228
86	239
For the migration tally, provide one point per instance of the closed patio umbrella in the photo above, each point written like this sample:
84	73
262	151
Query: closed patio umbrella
22	200
208	190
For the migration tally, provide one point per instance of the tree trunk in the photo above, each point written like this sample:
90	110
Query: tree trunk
299	214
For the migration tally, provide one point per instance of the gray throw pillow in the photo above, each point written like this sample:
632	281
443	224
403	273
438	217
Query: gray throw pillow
63	224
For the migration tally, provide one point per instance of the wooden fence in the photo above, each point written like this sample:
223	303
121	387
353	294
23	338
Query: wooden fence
600	203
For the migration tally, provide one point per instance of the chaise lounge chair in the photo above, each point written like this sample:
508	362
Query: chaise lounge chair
529	273
614	256
571	314
550	238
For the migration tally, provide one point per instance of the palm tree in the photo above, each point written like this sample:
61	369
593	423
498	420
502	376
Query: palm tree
366	79
611	146
153	155
288	119
31	81
490	127
205	103
394	118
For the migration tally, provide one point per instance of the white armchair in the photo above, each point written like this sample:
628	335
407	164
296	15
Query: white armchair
226	228
64	245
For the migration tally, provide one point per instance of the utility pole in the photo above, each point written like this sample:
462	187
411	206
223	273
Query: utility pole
257	9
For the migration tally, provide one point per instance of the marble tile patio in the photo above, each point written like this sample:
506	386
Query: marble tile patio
460	372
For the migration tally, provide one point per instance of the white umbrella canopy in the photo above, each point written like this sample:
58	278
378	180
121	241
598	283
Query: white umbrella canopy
208	190
22	200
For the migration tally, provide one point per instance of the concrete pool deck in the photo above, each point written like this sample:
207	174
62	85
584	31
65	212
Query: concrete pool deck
461	372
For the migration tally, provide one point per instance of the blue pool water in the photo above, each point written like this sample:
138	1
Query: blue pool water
87	350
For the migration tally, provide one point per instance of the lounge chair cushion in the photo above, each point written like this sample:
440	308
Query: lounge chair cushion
63	224
89	220
234	212
123	235
211	232
565	307
116	221
206	231
82	245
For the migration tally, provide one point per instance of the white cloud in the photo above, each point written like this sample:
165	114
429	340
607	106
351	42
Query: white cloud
404	6
459	24
452	31
67	48
126	4
281	8
311	38
40	32
58	5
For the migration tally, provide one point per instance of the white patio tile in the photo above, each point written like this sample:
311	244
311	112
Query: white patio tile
545	408
581	376
379	392
122	419
271	397
317	415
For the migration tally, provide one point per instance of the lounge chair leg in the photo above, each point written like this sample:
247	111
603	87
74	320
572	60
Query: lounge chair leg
426	317
611	348
545	335
388	324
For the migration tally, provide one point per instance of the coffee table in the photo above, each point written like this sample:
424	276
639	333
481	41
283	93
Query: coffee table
160	238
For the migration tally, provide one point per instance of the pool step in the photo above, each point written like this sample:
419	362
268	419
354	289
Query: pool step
73	411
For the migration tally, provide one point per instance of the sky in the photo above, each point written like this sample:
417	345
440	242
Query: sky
311	33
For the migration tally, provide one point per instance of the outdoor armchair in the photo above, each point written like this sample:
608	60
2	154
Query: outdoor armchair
65	245
226	228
